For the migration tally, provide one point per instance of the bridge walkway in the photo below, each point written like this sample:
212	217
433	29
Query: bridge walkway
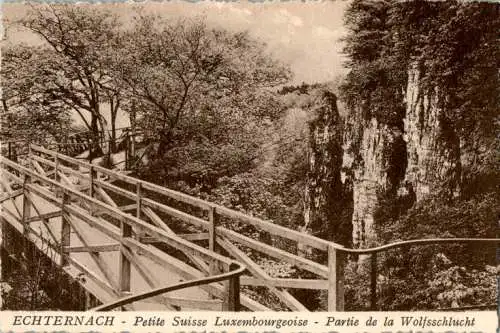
122	237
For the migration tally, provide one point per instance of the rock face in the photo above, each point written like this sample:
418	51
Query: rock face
323	192
433	147
372	176
358	162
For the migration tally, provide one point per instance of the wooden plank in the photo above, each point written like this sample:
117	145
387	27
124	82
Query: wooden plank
104	196
287	283
61	168
138	194
124	269
212	231
159	222
65	179
12	195
141	269
176	213
128	207
256	270
94	277
156	219
26	205
189	237
295	260
272	228
187	272
92	177
65	239
103	267
38	167
194	237
173	240
8	175
117	190
11	214
45	216
232	297
9	190
55	170
179	196
93	248
186	304
44	221
177	266
335	280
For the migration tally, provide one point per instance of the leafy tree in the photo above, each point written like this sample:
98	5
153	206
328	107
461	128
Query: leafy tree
182	71
79	40
28	110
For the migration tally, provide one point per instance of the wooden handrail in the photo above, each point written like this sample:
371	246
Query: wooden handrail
278	230
336	252
126	218
236	272
281	231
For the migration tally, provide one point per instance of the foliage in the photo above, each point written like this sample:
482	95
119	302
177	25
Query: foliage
33	283
453	44
29	112
444	276
202	72
74	60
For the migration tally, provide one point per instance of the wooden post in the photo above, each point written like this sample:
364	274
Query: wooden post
90	150
109	151
65	232
14	155
138	192
335	279
56	167
26	206
124	264
232	301
212	235
127	149
373	282
212	239
132	146
92	179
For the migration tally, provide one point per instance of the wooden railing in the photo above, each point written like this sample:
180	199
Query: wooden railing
36	184
80	142
208	218
233	290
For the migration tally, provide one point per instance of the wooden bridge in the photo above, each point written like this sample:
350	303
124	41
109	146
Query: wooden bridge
143	246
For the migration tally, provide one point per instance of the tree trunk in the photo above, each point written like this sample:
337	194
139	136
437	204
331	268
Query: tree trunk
112	138
132	134
95	148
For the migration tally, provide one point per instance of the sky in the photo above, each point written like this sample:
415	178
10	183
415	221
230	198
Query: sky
304	35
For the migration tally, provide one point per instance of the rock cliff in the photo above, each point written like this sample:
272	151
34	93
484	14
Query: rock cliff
432	144
357	162
323	200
